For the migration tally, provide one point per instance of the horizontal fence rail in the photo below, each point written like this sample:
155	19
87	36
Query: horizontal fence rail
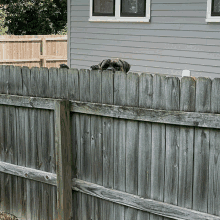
116	196
195	119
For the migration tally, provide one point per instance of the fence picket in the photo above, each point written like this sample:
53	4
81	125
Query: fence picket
86	160
26	185
108	151
158	143
26	76
172	94
96	140
5	73
73	84
35	194
10	134
53	93
74	92
43	139
132	143
119	141
186	148
19	125
44	147
43	82
35	82
62	83
201	152
144	153
53	81
214	162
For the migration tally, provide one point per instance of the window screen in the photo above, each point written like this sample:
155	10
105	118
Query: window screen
215	7
104	7
133	8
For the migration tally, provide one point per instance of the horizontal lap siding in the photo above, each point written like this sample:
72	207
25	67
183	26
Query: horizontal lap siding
177	38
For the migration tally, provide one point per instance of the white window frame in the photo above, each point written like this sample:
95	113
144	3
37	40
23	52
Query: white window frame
209	17
117	17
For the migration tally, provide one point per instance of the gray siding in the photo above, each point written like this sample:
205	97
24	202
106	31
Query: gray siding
177	38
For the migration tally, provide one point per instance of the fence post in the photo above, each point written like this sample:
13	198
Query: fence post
63	159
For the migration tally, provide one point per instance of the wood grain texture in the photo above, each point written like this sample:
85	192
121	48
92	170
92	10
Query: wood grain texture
28	173
53	81
76	142
137	202
62	84
28	102
23	137
202	144
195	119
119	141
2	155
73	84
108	140
132	142
186	147
63	159
96	141
172	93
52	93
85	148
214	162
145	142
142	135
158	143
116	196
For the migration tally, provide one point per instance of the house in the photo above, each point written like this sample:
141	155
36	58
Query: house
155	36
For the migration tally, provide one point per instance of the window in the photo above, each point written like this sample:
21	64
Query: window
215	8
120	10
213	11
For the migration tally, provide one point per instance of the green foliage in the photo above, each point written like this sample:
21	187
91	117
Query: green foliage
35	17
63	31
3	29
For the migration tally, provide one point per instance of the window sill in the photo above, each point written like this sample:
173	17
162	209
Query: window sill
213	19
124	19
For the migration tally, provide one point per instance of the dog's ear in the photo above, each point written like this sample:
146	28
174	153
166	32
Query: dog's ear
105	64
126	66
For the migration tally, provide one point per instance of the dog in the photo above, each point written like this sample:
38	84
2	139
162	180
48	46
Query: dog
112	64
64	66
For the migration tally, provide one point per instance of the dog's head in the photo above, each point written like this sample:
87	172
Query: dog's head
113	64
120	65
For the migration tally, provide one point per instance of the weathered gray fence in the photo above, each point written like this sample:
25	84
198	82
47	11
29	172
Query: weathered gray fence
143	146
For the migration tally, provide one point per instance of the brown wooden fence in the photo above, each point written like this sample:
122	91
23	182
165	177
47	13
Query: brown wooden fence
142	146
33	50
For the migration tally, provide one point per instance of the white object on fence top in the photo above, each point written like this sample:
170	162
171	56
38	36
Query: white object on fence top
185	73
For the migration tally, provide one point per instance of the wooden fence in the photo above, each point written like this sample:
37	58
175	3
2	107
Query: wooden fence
33	50
142	146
